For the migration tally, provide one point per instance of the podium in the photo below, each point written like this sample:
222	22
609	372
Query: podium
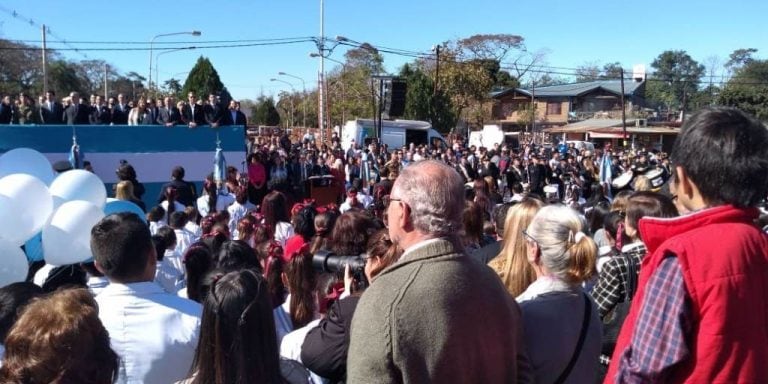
323	189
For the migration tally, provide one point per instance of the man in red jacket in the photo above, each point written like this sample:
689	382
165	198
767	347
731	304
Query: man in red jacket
700	314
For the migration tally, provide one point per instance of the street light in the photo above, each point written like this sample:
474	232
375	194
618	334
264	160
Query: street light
343	87
151	46
291	98
303	96
157	60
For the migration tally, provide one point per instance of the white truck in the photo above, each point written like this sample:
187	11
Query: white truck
394	133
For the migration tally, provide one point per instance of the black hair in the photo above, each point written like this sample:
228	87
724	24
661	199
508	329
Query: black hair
177	220
156	213
162	240
65	276
238	342
177	173
500	216
121	245
723	152
304	222
126	172
236	254
596	216
648	204
197	262
13	298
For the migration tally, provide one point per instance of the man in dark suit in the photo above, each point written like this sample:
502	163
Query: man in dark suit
51	110
100	114
214	113
187	193
233	116
76	113
192	112
120	110
168	114
153	112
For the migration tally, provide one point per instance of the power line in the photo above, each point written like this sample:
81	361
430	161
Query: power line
123	49
177	42
48	30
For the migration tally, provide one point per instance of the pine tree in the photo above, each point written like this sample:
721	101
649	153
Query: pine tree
203	79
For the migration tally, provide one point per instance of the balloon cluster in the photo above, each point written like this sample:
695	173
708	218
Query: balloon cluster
60	210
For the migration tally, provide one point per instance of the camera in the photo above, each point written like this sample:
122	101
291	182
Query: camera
329	262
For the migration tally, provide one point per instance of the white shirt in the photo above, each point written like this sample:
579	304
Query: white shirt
222	202
542	285
170	272
236	212
154	333
184	239
194	229
178	207
283	231
96	284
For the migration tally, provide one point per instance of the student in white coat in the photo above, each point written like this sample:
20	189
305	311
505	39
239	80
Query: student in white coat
153	332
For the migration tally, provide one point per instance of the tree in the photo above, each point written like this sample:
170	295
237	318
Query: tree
592	71
203	79
423	103
739	58
63	78
748	89
20	68
677	77
172	87
418	97
612	71
587	72
265	112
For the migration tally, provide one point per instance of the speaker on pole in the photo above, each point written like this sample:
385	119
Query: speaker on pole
394	104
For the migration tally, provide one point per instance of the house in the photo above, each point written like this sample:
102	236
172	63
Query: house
603	131
559	105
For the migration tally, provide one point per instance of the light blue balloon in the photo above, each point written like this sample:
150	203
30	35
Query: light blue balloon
117	206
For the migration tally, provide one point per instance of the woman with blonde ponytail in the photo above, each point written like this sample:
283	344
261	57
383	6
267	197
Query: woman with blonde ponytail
563	332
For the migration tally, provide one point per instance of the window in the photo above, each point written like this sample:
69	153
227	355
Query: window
553	108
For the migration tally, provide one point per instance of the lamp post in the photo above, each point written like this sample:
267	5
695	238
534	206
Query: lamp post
157	60
291	98
303	96
151	46
323	53
343	85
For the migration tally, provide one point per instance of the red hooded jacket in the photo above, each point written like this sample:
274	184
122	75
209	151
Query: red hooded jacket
724	260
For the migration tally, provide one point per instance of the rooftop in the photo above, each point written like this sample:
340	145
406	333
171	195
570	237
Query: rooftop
576	89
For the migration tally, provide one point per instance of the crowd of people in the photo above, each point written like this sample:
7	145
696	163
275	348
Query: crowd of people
77	110
444	265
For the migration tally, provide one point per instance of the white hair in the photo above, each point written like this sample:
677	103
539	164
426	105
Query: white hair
435	193
565	251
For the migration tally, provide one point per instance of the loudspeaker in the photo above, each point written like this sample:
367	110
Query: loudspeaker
394	102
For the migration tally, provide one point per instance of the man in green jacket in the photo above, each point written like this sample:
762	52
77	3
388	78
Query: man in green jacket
436	315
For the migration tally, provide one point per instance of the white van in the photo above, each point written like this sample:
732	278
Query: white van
394	133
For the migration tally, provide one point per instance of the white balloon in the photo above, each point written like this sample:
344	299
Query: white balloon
13	263
25	206
76	185
67	238
26	161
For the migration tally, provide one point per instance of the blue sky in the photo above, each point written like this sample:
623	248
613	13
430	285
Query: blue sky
573	32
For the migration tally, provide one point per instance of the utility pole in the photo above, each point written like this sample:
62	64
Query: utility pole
533	105
437	68
45	65
623	110
106	74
